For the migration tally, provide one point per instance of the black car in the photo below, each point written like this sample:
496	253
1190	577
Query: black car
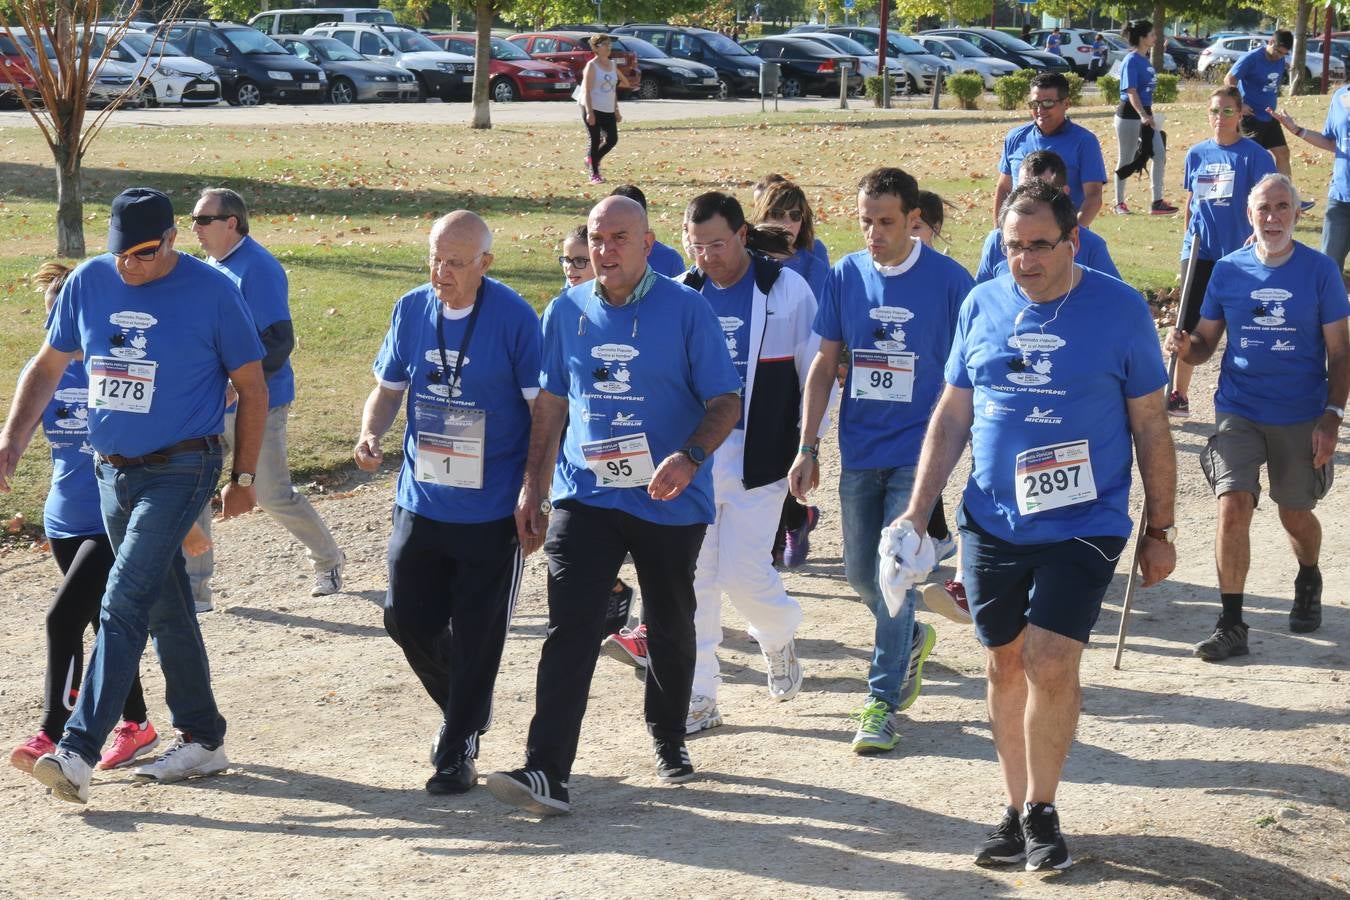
252	67
1004	46
1187	57
666	76
351	77
737	69
806	67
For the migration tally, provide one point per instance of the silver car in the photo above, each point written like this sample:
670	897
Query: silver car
964	56
1230	49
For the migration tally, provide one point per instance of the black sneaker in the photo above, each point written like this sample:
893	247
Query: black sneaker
456	778
1005	844
1306	615
1045	845
620	602
1226	641
672	762
532	790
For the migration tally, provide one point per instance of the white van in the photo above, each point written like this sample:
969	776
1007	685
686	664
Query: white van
298	21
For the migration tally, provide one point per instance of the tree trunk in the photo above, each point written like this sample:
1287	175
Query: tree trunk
1298	80
69	205
482	60
1159	28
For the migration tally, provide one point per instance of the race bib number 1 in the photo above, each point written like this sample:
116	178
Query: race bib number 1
883	375
450	446
620	462
121	385
1052	477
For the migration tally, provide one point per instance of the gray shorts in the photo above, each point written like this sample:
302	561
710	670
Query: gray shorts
1233	458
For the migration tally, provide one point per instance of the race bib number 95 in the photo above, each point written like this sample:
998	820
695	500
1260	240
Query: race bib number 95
620	462
121	385
1053	477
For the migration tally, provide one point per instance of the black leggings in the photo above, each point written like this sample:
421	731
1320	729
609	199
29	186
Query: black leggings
85	561
605	127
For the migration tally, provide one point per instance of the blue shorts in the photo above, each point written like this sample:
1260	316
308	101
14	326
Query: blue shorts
1057	586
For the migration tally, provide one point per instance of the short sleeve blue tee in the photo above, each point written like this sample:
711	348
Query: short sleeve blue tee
1275	365
813	270
72	507
819	250
190	328
731	305
648	367
1078	147
1048	374
666	261
912	312
1137	72
1092	253
1337	128
262	281
500	369
1219	179
1258	81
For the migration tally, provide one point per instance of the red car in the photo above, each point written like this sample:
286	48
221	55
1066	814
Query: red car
514	74
571	49
18	71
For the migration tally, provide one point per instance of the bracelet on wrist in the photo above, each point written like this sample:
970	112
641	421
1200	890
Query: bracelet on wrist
810	451
1301	131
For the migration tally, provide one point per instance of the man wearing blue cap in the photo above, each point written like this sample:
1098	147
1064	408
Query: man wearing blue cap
160	332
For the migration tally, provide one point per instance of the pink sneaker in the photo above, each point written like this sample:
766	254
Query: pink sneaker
130	741
628	646
596	179
27	753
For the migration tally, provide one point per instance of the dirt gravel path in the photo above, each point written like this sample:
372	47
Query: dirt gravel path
1187	779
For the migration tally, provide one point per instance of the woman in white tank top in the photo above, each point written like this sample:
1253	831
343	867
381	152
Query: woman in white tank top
599	98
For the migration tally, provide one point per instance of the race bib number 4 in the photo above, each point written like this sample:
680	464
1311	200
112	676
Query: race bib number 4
1214	186
450	446
620	462
121	385
1054	476
883	375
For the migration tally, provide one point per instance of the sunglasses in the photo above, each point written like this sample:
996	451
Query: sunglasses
144	252
1043	104
793	215
573	262
203	221
1224	111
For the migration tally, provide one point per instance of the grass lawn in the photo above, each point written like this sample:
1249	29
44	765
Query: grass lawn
347	212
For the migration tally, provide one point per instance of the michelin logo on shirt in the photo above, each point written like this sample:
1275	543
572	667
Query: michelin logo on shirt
1034	366
1269	309
1043	416
889	335
445	372
613	376
130	342
625	420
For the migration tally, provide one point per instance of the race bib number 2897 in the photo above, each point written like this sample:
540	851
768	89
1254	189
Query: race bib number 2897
1054	476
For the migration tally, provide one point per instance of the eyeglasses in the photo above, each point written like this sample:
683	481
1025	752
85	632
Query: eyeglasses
1035	248
1044	104
203	221
438	263
705	249
574	262
143	252
1225	111
792	215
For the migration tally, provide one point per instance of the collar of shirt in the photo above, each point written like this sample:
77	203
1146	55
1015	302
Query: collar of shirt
1063	127
643	286
905	265
237	244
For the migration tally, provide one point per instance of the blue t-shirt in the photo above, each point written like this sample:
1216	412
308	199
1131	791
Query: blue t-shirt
501	368
1337	128
812	268
1275	365
1052	42
666	261
72	507
1258	80
732	307
1137	72
912	312
1092	253
818	249
1078	147
648	367
191	328
263	283
1045	375
1219	179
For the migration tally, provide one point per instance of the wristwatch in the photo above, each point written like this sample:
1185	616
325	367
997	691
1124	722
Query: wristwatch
243	479
1167	535
695	454
545	507
1338	410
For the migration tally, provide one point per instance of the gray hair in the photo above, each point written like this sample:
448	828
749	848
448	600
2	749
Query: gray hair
468	224
231	204
1271	180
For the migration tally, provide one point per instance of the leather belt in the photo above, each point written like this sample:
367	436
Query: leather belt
118	461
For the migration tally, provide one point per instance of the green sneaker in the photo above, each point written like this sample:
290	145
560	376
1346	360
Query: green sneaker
925	636
876	727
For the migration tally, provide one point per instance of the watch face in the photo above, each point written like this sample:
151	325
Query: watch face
244	479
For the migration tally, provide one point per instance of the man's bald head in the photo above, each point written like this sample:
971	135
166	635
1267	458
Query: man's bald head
620	240
460	255
616	211
463	226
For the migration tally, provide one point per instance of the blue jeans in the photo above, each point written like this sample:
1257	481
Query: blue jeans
1336	231
148	511
868	500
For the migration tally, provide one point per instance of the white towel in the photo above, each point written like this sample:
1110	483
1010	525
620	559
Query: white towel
906	559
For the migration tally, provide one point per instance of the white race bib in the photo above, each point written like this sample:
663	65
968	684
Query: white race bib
1054	476
450	446
883	375
620	462
121	385
1214	185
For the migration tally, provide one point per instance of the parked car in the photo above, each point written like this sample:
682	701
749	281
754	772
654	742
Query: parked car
1118	43
920	66
1186	56
439	73
513	74
966	57
1076	46
804	28
867	60
572	50
351	77
737	69
807	67
166	73
110	80
666	76
1004	46
296	21
251	66
18	75
1229	49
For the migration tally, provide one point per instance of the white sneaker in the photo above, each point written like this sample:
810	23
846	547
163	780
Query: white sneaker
66	773
183	760
328	581
703	714
944	549
204	606
785	671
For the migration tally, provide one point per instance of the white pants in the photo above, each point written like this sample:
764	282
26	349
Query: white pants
737	560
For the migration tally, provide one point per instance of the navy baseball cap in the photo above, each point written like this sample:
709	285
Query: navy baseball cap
140	216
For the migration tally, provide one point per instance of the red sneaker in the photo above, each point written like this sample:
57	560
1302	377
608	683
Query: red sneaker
27	753
948	600
130	741
628	646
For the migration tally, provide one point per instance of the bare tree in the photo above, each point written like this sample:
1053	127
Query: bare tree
59	101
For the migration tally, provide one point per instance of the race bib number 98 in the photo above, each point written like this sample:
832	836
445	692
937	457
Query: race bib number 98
121	385
883	375
1053	477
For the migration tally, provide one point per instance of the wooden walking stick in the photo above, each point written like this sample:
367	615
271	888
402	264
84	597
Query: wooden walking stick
1183	309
